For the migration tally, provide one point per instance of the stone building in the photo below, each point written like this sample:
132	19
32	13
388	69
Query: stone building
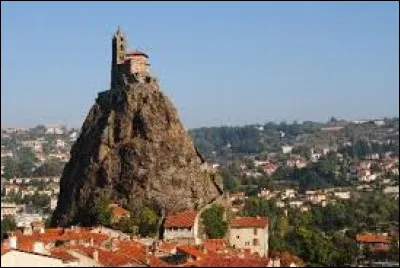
117	212
250	233
10	209
130	65
182	227
375	242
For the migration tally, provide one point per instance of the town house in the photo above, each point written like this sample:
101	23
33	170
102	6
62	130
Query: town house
250	233
182	227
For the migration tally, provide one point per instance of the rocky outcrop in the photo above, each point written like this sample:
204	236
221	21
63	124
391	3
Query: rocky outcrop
133	148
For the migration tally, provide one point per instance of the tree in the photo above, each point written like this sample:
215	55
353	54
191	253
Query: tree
47	222
11	168
283	226
361	148
102	211
213	220
52	167
7	225
38	201
127	225
39	130
231	183
312	246
302	150
21	165
333	120
394	249
256	206
311	181
347	249
148	221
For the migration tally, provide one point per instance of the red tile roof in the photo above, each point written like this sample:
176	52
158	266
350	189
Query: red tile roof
229	261
249	222
25	242
63	255
270	166
88	251
4	250
372	238
105	258
380	249
136	53
25	245
108	258
127	252
191	250
134	250
118	212
215	244
167	247
183	219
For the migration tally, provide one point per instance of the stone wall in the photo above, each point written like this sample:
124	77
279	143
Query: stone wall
244	238
138	64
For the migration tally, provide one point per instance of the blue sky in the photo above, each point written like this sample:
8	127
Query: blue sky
220	63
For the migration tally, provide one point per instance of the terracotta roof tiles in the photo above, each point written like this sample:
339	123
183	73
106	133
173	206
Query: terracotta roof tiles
63	255
25	242
183	219
4	250
134	250
191	250
167	247
249	222
215	244
118	211
381	249
229	261
136	53
105	258
372	238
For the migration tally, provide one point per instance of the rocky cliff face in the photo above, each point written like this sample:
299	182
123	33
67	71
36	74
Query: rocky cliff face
133	148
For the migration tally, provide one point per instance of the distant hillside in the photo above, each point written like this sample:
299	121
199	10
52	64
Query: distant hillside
220	143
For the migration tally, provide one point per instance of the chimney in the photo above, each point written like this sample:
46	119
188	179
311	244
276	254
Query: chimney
42	230
27	230
114	243
38	247
13	242
91	241
276	262
96	256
